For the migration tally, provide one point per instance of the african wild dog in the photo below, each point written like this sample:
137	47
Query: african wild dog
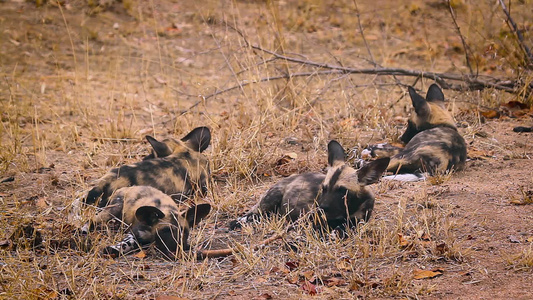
432	142
340	195
176	167
152	216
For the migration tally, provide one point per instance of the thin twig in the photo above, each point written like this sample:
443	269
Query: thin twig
202	254
511	23
357	14
465	46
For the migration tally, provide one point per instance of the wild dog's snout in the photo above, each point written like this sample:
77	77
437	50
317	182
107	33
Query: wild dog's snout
152	217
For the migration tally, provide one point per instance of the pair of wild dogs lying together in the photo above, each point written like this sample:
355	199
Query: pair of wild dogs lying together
144	194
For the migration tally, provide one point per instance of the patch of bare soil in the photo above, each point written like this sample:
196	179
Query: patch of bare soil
84	81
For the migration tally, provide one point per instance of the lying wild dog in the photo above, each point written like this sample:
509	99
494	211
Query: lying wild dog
152	216
432	142
176	167
341	195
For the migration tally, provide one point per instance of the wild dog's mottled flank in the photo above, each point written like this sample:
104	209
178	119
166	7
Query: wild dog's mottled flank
176	167
433	143
340	194
153	216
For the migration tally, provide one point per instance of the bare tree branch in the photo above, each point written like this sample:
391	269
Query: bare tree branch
472	82
512	24
465	46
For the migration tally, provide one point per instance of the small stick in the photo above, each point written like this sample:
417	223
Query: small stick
202	254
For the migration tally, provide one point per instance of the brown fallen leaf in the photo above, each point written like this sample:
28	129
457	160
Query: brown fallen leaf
309	275
402	241
426	274
491	114
441	248
166	297
264	296
292	265
141	254
335	281
309	288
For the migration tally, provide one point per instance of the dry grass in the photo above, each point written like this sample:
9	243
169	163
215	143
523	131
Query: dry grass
76	104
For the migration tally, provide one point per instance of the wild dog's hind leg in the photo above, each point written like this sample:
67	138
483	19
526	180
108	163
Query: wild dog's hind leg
269	203
381	150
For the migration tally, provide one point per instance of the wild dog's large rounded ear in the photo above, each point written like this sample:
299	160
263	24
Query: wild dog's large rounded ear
434	93
149	215
198	139
335	153
371	172
419	103
160	149
196	213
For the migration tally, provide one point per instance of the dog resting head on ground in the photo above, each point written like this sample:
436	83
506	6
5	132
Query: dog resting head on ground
432	142
176	167
152	216
341	194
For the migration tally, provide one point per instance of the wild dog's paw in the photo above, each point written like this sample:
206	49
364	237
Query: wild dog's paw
237	224
234	225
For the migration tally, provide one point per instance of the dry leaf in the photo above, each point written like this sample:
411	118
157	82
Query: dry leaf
141	254
335	281
402	241
426	274
293	278
441	248
264	296
309	288
165	297
41	202
490	114
425	237
292	265
308	275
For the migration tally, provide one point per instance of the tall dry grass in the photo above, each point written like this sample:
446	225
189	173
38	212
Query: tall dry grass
79	94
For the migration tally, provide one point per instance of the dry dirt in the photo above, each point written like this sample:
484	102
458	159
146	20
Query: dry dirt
81	85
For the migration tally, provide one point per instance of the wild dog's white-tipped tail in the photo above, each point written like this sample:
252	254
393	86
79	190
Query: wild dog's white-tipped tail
406	177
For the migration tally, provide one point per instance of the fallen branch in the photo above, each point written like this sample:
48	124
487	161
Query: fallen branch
202	254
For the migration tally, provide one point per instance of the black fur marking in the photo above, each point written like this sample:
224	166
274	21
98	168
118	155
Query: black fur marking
93	195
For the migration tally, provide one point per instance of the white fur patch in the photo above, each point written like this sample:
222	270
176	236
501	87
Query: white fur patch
126	245
366	153
405	177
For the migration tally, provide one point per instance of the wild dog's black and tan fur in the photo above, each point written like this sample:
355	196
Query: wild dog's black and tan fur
152	216
432	142
340	194
176	167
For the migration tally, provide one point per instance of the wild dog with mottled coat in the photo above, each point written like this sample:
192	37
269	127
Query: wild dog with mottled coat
432	142
152	216
341	194
176	167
